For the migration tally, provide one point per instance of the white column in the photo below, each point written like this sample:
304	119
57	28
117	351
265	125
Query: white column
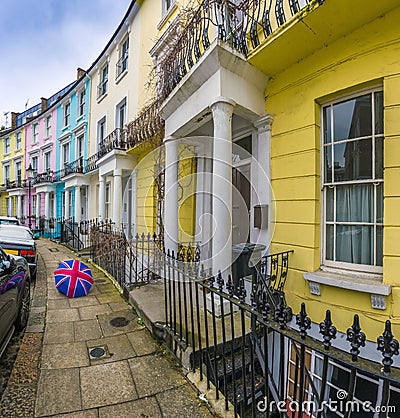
38	199
263	126
222	110
19	206
171	207
78	205
66	211
47	205
102	198
117	198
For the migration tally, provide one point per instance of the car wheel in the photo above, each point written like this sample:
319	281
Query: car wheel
24	308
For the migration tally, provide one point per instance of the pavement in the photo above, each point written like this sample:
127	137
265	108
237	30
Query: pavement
92	357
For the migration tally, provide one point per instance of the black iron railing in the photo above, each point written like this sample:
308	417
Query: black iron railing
259	364
76	166
91	163
15	184
115	140
147	127
241	24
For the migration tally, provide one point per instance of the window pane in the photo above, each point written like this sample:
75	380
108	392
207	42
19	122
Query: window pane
355	203
379	203
355	244
353	160
329	203
366	390
379	112
327	125
329	242
379	245
352	118
379	158
328	163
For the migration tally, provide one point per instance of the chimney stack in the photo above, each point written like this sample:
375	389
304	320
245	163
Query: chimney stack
43	104
14	119
80	73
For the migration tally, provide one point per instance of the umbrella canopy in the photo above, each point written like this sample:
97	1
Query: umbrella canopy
73	278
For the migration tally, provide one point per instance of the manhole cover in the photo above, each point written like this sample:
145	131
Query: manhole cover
96	353
53	250
119	322
101	281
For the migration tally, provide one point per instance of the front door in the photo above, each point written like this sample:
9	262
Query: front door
241	191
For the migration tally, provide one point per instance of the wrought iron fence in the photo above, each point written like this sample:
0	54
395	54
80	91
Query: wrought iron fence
134	261
259	364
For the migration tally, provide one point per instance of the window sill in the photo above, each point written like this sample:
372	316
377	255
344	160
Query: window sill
121	76
354	282
99	99
6	154
65	128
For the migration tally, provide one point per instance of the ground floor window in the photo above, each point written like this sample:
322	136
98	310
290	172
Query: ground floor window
352	152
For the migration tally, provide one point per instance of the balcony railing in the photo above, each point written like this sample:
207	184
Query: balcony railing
115	140
76	166
91	163
241	24
15	184
147	127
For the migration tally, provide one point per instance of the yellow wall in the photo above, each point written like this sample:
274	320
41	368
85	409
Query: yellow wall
365	57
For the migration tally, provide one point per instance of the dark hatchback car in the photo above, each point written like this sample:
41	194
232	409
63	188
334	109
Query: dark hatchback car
14	296
19	240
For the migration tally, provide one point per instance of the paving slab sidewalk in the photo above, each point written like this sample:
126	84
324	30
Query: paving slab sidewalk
55	375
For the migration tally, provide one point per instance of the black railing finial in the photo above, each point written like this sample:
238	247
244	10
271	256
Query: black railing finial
303	321
389	347
327	330
356	338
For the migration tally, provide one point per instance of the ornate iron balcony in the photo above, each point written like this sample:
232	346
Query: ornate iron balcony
115	140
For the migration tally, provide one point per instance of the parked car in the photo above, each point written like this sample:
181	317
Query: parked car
19	240
9	220
14	296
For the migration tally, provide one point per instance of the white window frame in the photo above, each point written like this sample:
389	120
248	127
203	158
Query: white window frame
100	123
6	171
35	163
121	105
48	126
17	164
81	102
7	145
102	88
372	270
45	154
107	201
66	114
65	156
18	141
35	133
166	6
122	63
80	145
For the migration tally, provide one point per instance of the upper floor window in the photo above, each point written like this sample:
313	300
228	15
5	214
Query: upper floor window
103	85
18	171
34	162
67	114
7	145
121	114
18	141
7	173
48	126
353	182
166	5
35	133
101	130
81	104
79	146
46	160
122	64
65	153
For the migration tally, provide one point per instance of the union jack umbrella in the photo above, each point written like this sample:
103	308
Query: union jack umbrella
73	278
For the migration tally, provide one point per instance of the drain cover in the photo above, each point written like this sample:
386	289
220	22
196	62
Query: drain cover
53	250
96	353
119	322
100	281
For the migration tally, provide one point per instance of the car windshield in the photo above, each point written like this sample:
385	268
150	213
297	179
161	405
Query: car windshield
16	233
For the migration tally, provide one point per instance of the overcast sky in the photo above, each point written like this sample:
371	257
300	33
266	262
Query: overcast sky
42	43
